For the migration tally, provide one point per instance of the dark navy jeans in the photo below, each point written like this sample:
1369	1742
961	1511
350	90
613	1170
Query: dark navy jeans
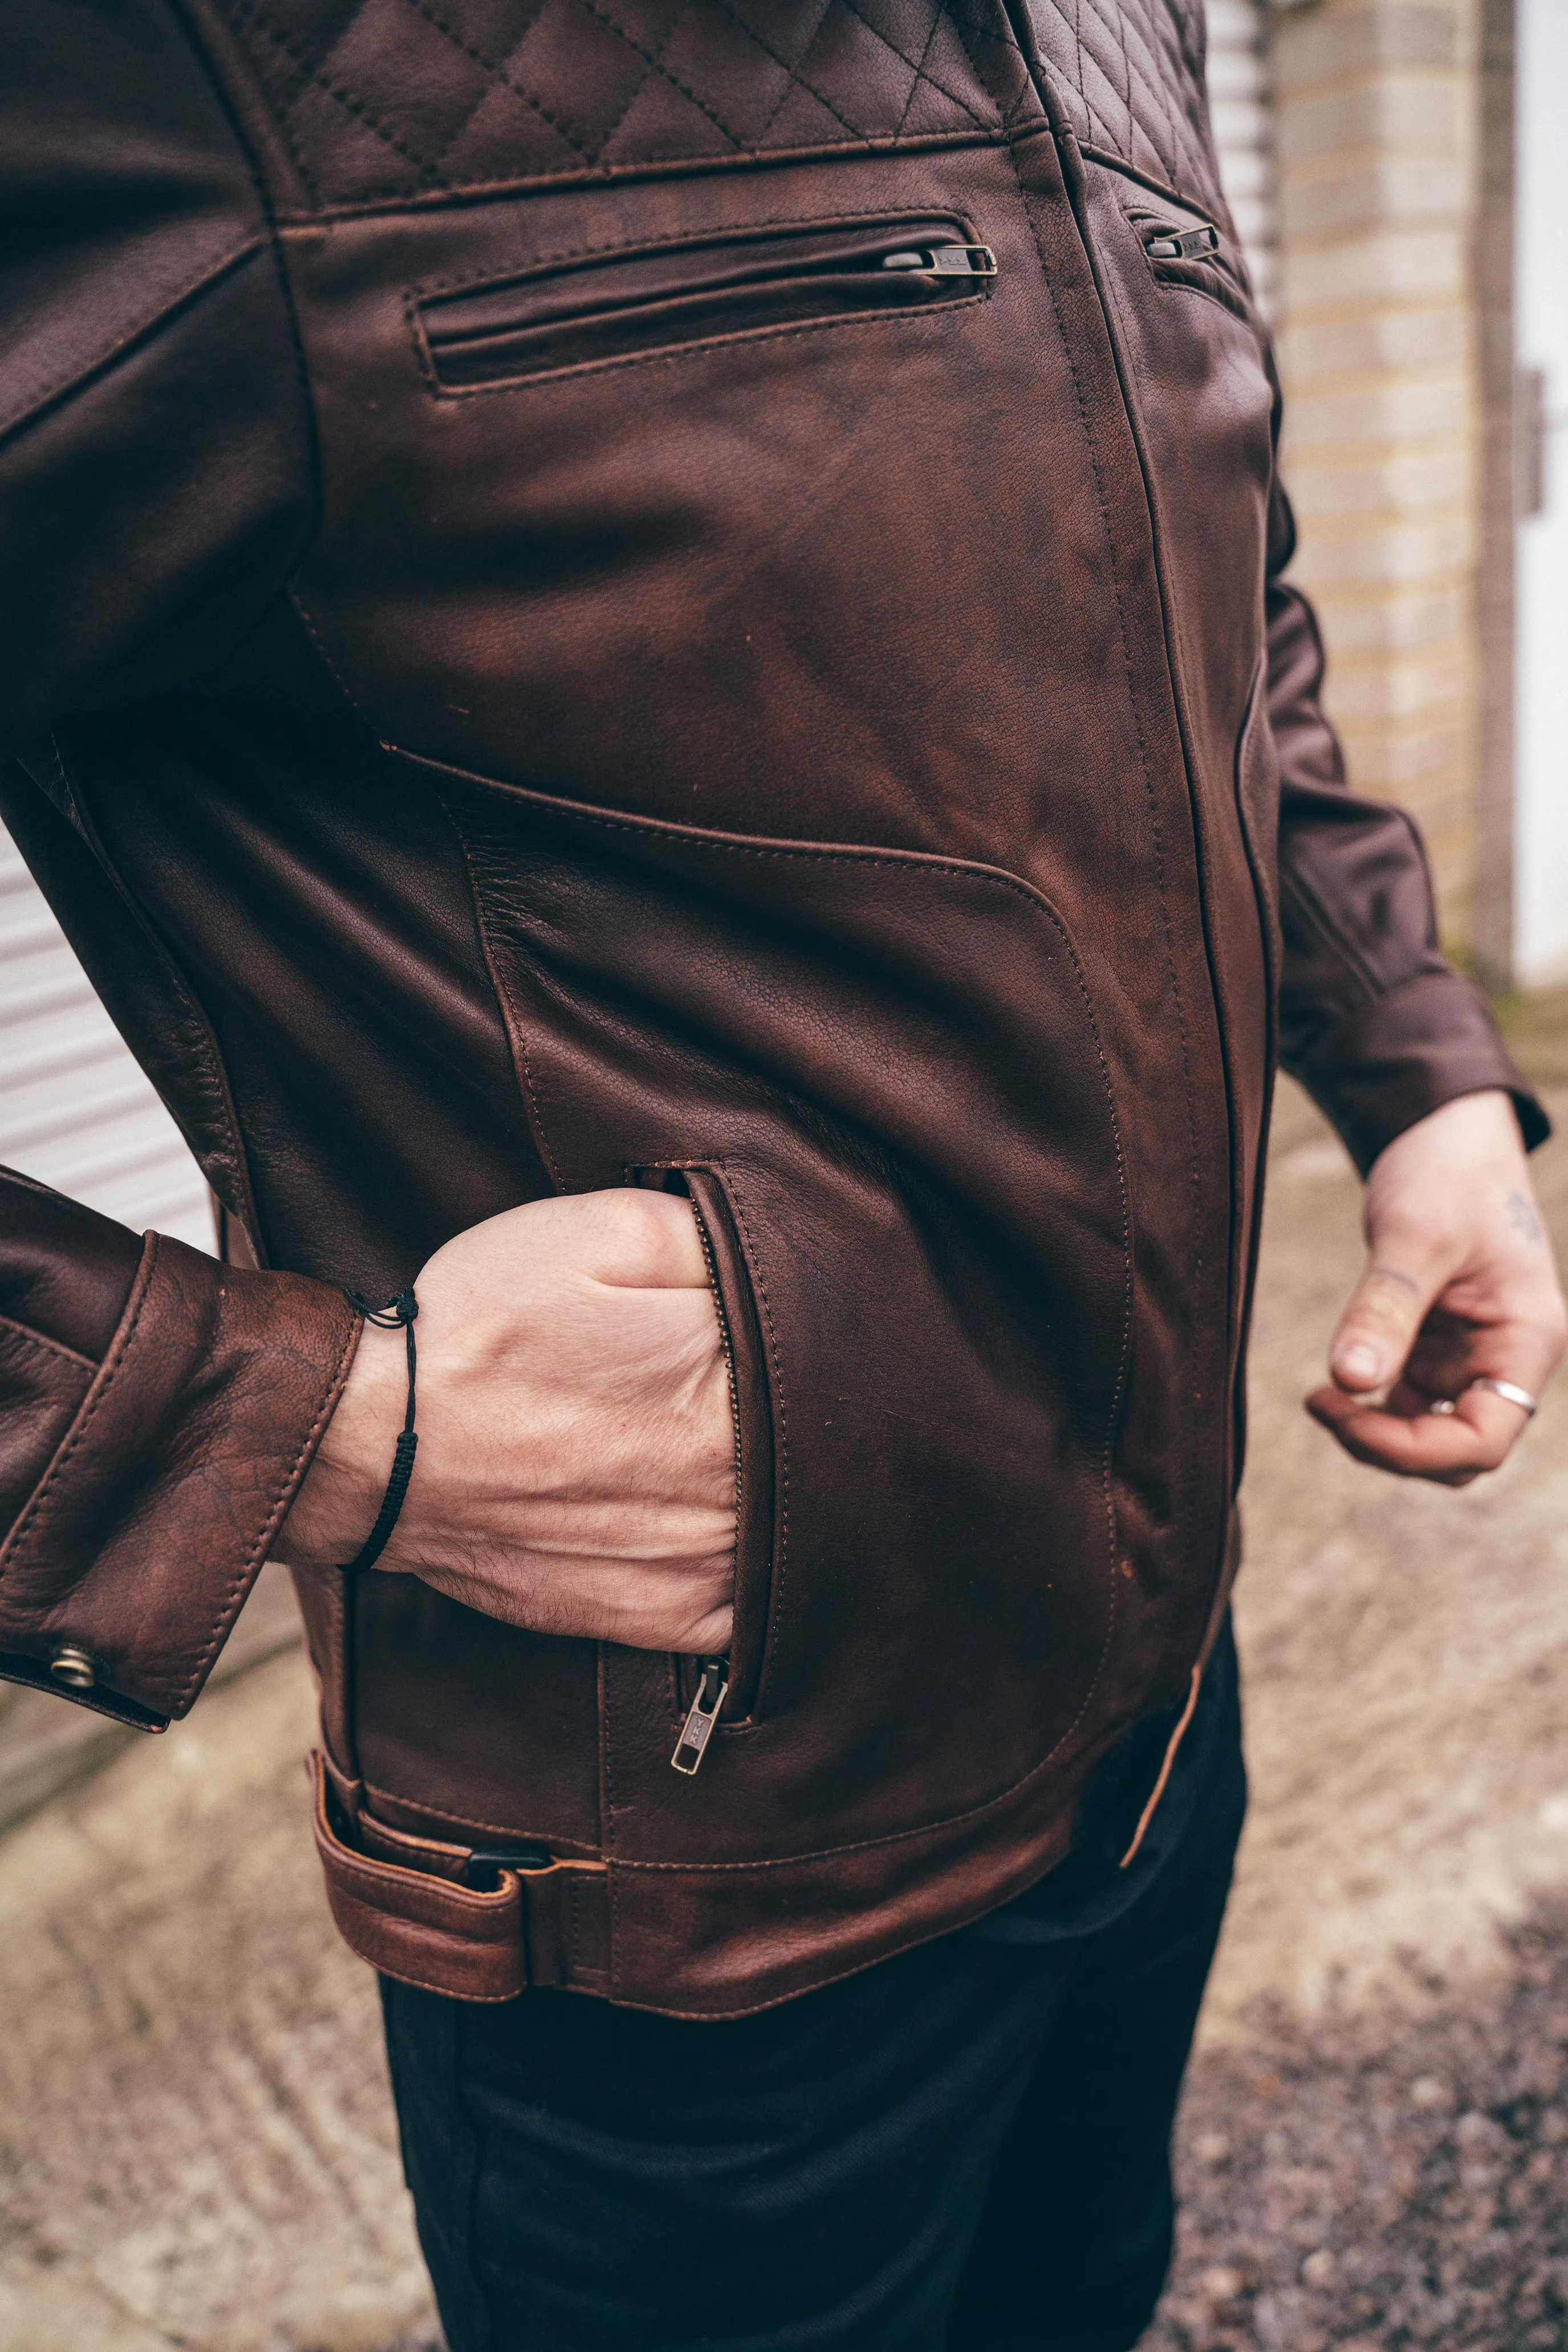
963	2149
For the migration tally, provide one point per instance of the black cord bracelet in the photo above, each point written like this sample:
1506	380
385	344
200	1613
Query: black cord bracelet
399	1310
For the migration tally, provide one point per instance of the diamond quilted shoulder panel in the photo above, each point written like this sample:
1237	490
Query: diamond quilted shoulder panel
384	99
1130	75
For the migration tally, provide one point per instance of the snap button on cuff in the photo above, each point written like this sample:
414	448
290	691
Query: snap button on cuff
78	1669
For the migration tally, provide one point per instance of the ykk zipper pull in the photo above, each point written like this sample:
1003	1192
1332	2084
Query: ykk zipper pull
702	1716
945	261
1186	245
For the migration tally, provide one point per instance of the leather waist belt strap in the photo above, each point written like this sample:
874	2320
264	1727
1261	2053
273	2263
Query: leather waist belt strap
402	1907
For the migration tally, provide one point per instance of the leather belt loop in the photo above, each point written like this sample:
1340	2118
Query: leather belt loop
566	1925
401	1903
348	1793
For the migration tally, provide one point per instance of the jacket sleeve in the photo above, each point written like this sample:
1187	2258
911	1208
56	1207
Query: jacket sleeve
1372	1020
157	1408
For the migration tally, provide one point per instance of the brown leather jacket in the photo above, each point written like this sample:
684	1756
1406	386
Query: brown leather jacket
676	594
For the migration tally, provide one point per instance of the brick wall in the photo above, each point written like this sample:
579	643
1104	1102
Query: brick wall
1376	132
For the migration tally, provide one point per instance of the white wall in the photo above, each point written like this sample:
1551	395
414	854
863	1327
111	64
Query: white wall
75	1110
1541	298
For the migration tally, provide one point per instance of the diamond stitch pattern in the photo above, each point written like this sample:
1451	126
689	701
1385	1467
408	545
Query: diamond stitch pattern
385	100
1129	73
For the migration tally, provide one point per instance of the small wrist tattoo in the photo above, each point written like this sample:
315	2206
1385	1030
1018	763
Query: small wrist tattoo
1522	1216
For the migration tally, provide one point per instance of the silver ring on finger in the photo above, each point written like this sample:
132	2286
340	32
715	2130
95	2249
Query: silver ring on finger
1509	1393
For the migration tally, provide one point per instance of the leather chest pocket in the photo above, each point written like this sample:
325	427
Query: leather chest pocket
634	304
1184	249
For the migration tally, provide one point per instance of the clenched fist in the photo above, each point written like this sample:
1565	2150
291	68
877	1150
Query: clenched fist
1460	1289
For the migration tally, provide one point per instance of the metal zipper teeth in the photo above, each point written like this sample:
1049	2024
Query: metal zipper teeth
727	1344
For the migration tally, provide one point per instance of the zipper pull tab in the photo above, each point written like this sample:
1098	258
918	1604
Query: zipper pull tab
703	1713
1190	245
944	260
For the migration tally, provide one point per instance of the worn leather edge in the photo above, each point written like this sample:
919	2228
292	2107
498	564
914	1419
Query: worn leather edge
150	1522
409	1918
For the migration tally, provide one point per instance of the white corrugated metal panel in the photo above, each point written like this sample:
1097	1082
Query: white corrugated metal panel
76	1111
1239	105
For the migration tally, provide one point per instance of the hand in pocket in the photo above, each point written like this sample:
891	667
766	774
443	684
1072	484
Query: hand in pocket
575	1471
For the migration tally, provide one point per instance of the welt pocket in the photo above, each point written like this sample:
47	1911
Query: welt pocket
1184	249
740	1331
633	304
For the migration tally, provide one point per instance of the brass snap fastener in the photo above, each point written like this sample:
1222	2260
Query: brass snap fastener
77	1669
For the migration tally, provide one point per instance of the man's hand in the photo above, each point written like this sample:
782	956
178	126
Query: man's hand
1459	1286
576	1463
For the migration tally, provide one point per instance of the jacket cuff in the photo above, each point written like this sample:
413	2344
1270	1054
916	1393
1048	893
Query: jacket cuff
1407	1053
141	1540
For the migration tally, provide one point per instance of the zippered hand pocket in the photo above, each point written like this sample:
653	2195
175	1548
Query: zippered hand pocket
731	1686
631	305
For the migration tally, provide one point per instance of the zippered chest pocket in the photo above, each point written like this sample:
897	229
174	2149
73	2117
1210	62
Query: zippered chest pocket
1184	249
630	305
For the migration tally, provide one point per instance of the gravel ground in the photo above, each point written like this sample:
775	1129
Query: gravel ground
1376	2185
1388	2182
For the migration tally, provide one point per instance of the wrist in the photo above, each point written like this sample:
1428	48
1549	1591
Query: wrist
342	1492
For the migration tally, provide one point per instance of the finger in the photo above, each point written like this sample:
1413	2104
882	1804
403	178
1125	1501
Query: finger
631	1239
1378	1329
1451	1448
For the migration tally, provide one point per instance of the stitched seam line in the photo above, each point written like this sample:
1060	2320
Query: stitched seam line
931	314
260	181
329	664
906	861
275	110
1189	1470
16	1542
794	73
783	97
492	1829
53	1346
495	75
1123	37
653	64
918	70
315	78
515	1027
1037	899
430	290
856	1846
427	1984
411	201
714	117
144	327
964	25
498	73
273	1521
1111	159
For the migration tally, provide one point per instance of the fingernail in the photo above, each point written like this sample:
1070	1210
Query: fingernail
1360	1364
